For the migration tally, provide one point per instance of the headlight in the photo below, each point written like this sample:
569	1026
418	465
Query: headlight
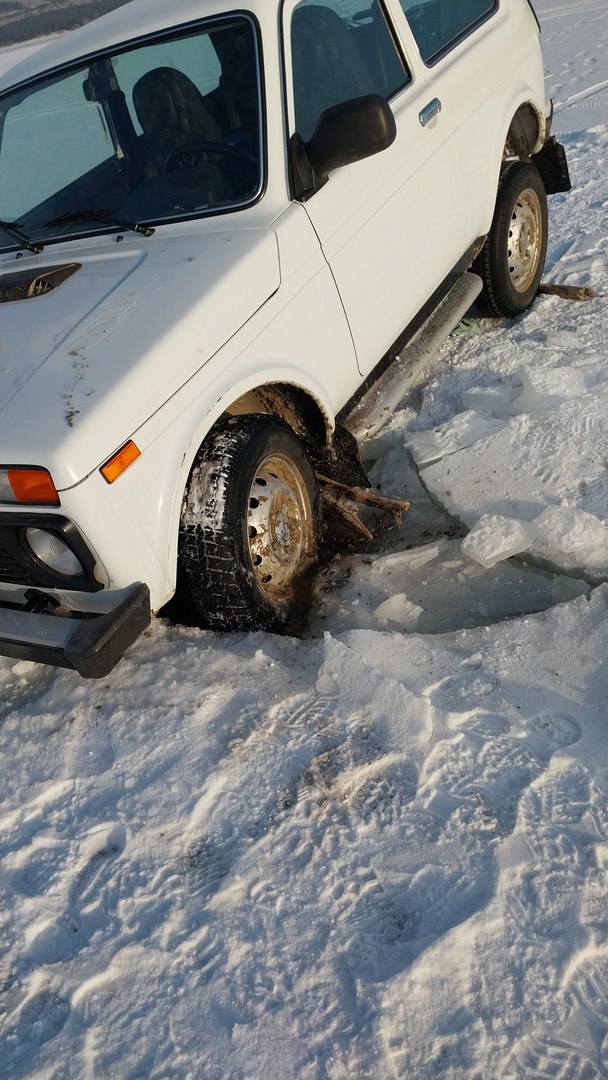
51	550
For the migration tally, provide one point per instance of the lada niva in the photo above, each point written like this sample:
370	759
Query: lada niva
224	235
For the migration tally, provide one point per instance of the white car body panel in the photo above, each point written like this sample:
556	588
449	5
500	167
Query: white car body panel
470	82
382	273
156	337
96	350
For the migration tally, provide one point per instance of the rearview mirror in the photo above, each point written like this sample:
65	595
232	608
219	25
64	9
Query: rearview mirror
349	132
345	133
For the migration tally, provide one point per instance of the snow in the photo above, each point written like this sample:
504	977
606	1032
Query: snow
13	54
380	850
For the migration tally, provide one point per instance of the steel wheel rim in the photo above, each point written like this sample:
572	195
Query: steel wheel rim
525	240
280	530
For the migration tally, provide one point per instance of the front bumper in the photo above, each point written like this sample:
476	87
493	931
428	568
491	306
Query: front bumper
89	643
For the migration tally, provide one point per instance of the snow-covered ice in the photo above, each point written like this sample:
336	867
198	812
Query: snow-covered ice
380	851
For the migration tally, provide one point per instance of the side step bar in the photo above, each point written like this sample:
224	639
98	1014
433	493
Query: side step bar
376	407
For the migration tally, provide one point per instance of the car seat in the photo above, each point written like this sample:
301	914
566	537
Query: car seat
172	114
327	65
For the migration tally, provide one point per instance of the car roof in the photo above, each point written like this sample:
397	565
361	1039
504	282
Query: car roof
134	20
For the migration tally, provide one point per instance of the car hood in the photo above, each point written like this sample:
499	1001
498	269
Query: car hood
83	365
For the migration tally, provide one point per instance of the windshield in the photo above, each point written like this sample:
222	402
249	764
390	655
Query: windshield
162	131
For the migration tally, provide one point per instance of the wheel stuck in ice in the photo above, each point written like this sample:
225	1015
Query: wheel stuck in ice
249	524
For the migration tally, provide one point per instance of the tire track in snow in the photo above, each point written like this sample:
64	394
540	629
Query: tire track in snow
577	11
581	95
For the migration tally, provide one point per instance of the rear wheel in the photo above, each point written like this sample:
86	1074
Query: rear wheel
512	259
249	525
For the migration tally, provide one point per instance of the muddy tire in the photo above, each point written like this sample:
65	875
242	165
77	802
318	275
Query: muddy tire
249	525
512	259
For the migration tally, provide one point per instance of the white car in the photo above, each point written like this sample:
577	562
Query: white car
226	239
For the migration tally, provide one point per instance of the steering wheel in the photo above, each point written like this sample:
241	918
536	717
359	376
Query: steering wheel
201	146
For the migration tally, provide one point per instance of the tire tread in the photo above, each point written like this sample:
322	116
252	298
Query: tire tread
223	589
496	299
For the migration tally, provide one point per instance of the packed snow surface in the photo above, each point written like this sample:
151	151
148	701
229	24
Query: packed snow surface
381	850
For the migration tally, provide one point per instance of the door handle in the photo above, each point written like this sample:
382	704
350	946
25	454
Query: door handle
429	112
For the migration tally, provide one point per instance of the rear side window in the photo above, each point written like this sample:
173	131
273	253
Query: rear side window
341	49
438	25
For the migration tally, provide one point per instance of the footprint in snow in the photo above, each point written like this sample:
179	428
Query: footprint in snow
34	869
561	797
594	909
86	909
485	726
209	860
379	929
544	1056
551	731
34	1023
546	902
314	711
588	987
468	771
23	685
382	797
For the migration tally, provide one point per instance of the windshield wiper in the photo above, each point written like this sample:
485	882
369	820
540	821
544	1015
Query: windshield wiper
13	228
107	216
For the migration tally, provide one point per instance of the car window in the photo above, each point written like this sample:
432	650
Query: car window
438	25
57	116
163	129
341	49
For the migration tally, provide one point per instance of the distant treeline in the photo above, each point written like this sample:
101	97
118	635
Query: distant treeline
40	24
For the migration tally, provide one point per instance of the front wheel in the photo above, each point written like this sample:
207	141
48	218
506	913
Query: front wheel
512	259
249	525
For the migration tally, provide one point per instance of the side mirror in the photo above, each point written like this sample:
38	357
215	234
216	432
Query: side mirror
345	133
349	132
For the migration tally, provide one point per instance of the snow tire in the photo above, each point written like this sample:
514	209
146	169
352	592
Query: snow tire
249	525
512	259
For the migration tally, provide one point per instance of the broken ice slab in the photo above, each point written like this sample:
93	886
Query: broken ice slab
573	539
562	339
544	388
567	529
399	610
463	430
495	538
411	558
493	401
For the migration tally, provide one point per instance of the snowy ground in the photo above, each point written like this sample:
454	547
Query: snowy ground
367	854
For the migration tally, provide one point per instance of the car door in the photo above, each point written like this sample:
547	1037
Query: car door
484	59
391	226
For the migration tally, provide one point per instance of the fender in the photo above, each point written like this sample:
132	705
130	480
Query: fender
526	100
145	502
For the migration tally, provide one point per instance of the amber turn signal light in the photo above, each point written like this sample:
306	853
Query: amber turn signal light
31	486
120	461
